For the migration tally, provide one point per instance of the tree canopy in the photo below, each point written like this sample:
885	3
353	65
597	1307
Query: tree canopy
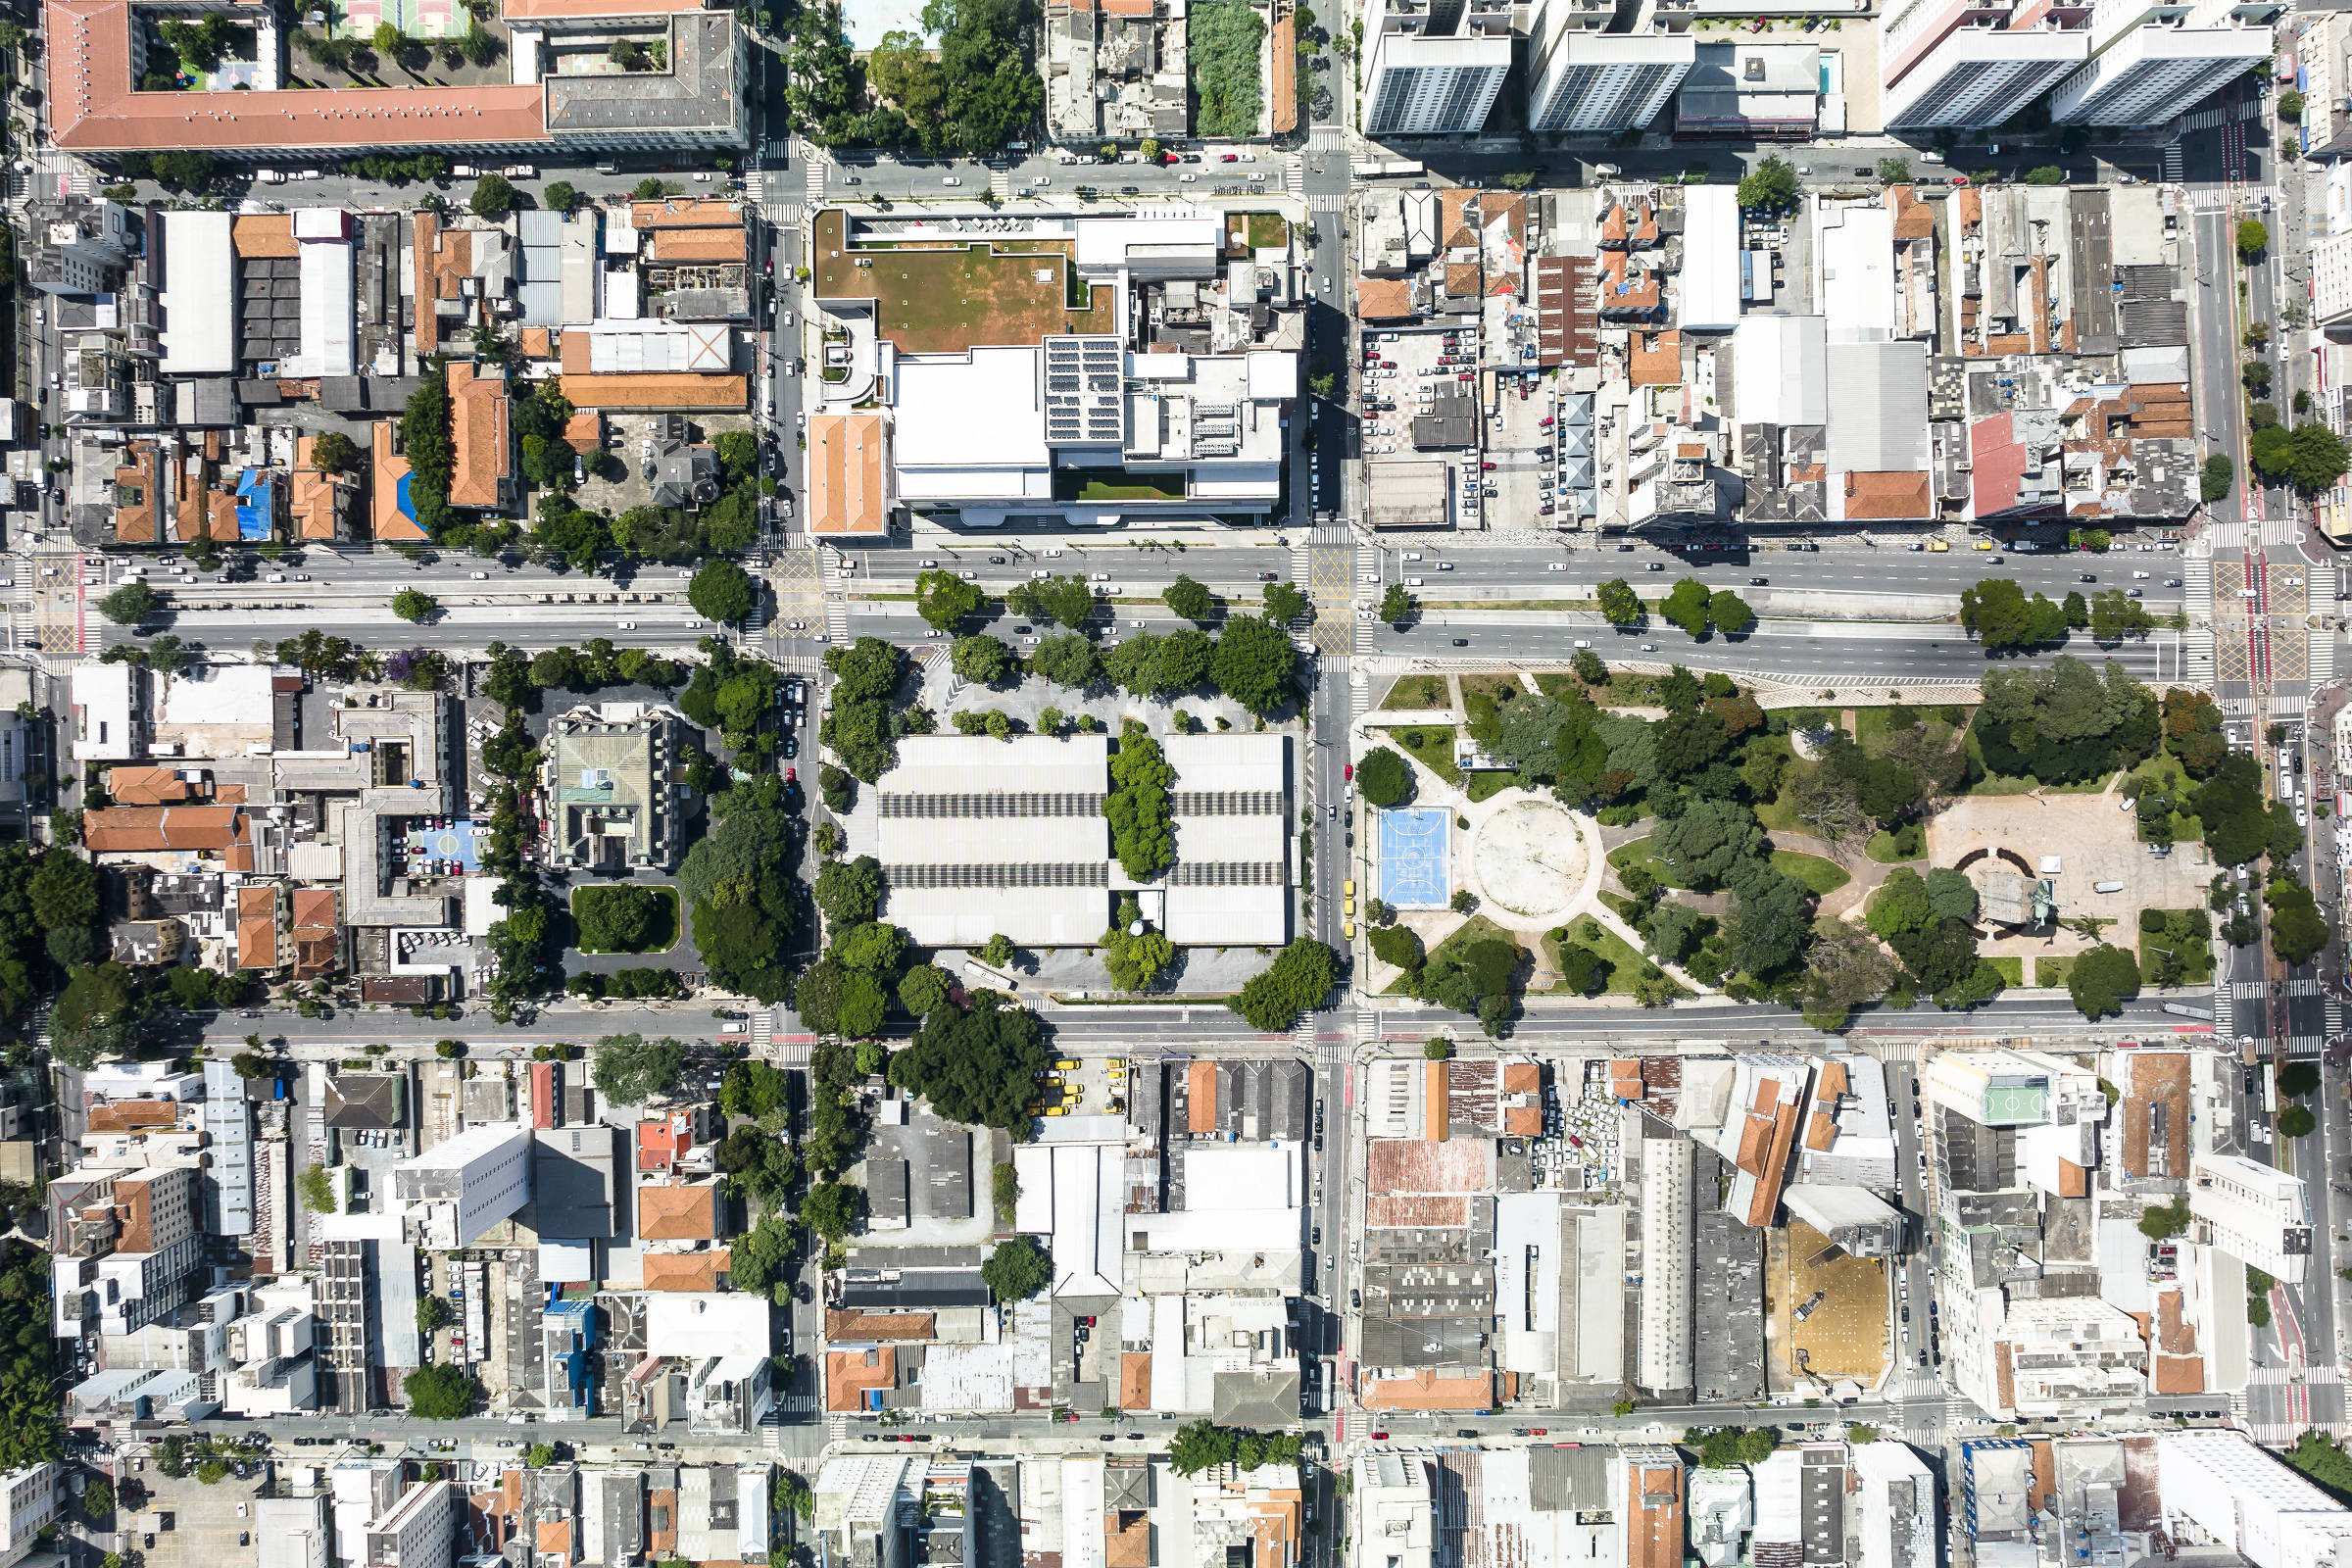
978	1066
1385	777
2102	980
1017	1269
632	1070
722	591
1301	976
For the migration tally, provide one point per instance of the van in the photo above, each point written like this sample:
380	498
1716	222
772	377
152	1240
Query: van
276	577
608	168
1412	582
736	1028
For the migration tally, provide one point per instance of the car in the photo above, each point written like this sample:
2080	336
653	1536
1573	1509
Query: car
2086	577
1348	770
1042	181
1657	566
951	179
1462	642
1229	158
1649	647
1756	583
1185	179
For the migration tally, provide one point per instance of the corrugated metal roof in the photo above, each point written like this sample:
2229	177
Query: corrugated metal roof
1878	422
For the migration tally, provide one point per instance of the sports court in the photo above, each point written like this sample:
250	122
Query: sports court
1412	859
460	842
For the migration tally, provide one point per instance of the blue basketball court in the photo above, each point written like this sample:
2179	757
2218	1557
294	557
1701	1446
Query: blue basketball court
1412	859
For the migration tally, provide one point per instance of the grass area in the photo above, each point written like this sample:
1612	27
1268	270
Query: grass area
944	300
1778	815
2013	970
2188	940
1893	849
1637	853
1494	686
1486	783
2052	971
1431	746
1820	875
1222	40
1509	604
1080	485
1416	693
654	909
1625	961
1266	231
1474	929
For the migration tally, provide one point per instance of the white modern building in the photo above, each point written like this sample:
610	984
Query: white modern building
420	1532
461	1186
1591	82
2217	1485
293	1532
1960	64
2150	59
29	1501
2258	1214
1396	1514
1433	67
1899	1517
1666	1357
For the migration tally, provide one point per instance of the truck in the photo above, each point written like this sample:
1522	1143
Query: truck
1386	167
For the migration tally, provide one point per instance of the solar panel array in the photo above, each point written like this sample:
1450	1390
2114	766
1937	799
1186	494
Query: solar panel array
1083	380
1226	874
1051	803
1097	875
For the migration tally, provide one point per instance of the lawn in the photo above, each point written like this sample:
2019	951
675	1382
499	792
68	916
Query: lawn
1486	783
1417	694
2185	941
1476	927
1820	875
1494	686
2052	971
1909	843
1431	746
1625	964
624	917
1267	231
944	300
2013	970
1637	853
1082	484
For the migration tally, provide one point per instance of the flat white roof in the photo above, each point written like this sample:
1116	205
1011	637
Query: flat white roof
1226	762
1855	251
327	300
1251	914
1240	1176
1088	1201
199	298
958	764
1710	277
965	918
698	1325
220	694
1780	371
100	695
977	412
1104	242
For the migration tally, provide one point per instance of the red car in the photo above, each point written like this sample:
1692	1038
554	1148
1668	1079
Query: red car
792	775
1348	770
1379	1437
1229	158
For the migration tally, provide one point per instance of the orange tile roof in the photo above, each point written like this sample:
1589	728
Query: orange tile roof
145	830
1127	1539
1653	1530
686	1212
585	431
314	909
91	105
686	212
257	926
147	786
1383	299
388	468
136	522
849	476
480	424
1656	359
1413	1165
1286	74
849	1373
555	1535
1201	1097
1135	1380
536	343
444	259
864	1328
1887	497
1408	1209
317	495
1426	1390
131	1115
1433	1098
672	246
257	234
203	508
1821	1131
1774	1169
652	389
684	1271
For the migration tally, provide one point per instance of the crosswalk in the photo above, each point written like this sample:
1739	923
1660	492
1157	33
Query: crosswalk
1294	173
837	618
816	181
1327	138
1000	184
1327	201
2215	119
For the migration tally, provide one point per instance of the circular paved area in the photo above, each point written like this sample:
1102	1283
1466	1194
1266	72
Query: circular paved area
1529	858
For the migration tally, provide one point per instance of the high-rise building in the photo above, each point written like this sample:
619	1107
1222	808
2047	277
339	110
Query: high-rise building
2247	1501
28	1500
461	1187
1586	80
1962	64
2258	1214
1431	67
420	1532
2152	59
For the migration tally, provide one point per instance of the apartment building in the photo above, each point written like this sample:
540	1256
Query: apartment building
2149	60
460	1187
28	1500
2258	1214
1433	67
1960	64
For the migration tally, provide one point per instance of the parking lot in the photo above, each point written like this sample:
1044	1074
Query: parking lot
1519	437
1427	375
210	1525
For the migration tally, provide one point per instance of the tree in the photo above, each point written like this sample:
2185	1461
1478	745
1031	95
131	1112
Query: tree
849	892
1190	599
722	591
333	451
2253	240
1139	807
493	198
1686	606
2296	1121
1950	894
1730	614
2004	620
1286	603
561	196
250	1064
1253	663
1767	926
1016	1270
1067	660
2046	174
440	1393
1705	843
793	1495
1134	958
98	1013
63	890
2102	980
979	1066
945	599
539	1455
2298	1080
1843	969
830	1210
1398	946
1590	667
631	1071
1397	603
431	1313
623	918
833	999
2290	104
98	1500
1385	777
1895	171
924	988
2297	930
1620	606
411	605
129	604
997	951
980	658
874	947
1301	976
1771	187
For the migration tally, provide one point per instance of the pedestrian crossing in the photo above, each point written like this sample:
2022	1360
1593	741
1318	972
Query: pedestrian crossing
1327	201
1000	184
2246	990
2215	119
2305	987
2196	653
1293	175
2172	163
2321	657
837	618
764	1029
816	181
754	187
1325	139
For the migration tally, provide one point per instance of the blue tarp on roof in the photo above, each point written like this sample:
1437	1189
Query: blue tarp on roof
256	504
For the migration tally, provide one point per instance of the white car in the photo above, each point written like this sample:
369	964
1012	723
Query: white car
521	171
480	576
1042	181
626	625
1186	179
951	179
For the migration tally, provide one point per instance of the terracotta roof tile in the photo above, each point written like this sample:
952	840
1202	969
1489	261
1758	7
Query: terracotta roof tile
1887	497
684	1271
651	389
1383	299
145	830
685	1212
389	468
849	476
672	246
148	786
1426	1390
849	1373
259	234
480	424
